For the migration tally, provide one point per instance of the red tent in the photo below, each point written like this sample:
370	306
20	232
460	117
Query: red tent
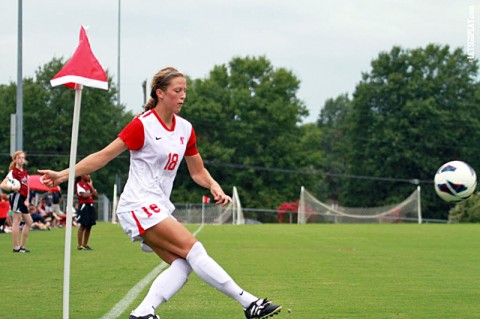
34	183
290	208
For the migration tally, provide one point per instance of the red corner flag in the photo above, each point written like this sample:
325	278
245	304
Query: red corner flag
205	199
83	68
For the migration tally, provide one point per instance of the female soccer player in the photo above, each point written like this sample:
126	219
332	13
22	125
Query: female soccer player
19	200
86	215
158	140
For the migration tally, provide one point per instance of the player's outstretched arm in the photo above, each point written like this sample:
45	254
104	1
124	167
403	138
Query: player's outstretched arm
89	164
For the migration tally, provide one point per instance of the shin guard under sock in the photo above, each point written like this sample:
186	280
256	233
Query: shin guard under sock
169	282
214	275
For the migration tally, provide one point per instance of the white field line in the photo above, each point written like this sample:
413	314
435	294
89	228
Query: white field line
133	293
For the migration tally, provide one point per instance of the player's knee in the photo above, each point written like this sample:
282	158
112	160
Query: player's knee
196	251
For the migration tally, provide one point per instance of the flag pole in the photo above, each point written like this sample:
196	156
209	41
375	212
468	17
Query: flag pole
71	184
203	210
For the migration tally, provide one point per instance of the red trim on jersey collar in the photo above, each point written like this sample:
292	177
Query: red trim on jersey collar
163	124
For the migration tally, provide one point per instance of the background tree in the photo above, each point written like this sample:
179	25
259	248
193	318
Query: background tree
414	111
467	211
333	123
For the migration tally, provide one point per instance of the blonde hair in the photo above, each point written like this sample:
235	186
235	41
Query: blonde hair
14	156
161	81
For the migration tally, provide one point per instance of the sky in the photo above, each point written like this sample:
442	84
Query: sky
327	45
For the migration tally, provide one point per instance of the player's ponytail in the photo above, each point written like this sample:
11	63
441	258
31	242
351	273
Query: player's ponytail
152	102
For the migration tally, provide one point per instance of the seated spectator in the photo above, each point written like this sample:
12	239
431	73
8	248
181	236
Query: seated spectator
46	211
56	201
41	209
39	222
74	214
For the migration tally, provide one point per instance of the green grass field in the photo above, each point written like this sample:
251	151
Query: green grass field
317	271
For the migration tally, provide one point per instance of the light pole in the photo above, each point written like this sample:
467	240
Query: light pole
19	116
118	56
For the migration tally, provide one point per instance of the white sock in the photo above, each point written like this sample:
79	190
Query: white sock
214	275
169	282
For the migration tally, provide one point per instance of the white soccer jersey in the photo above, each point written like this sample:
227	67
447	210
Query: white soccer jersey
155	155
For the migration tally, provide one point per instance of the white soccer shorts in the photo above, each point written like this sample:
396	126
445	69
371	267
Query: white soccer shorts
135	223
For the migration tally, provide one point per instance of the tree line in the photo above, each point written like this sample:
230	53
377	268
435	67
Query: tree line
413	111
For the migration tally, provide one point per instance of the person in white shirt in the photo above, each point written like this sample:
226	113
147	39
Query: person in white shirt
158	140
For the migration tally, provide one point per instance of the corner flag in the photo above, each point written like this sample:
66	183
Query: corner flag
83	68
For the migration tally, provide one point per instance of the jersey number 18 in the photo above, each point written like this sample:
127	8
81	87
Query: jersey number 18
171	162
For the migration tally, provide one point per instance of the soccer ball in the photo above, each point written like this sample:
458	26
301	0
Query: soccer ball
455	181
12	182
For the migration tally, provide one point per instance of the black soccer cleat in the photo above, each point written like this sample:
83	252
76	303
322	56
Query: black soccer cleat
262	308
21	250
151	316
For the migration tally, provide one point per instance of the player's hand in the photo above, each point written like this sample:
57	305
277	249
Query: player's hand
50	178
219	196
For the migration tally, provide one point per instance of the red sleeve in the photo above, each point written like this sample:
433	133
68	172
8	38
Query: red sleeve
192	145
133	134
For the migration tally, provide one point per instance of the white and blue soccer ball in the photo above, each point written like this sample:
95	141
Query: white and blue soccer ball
455	181
12	182
15	183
